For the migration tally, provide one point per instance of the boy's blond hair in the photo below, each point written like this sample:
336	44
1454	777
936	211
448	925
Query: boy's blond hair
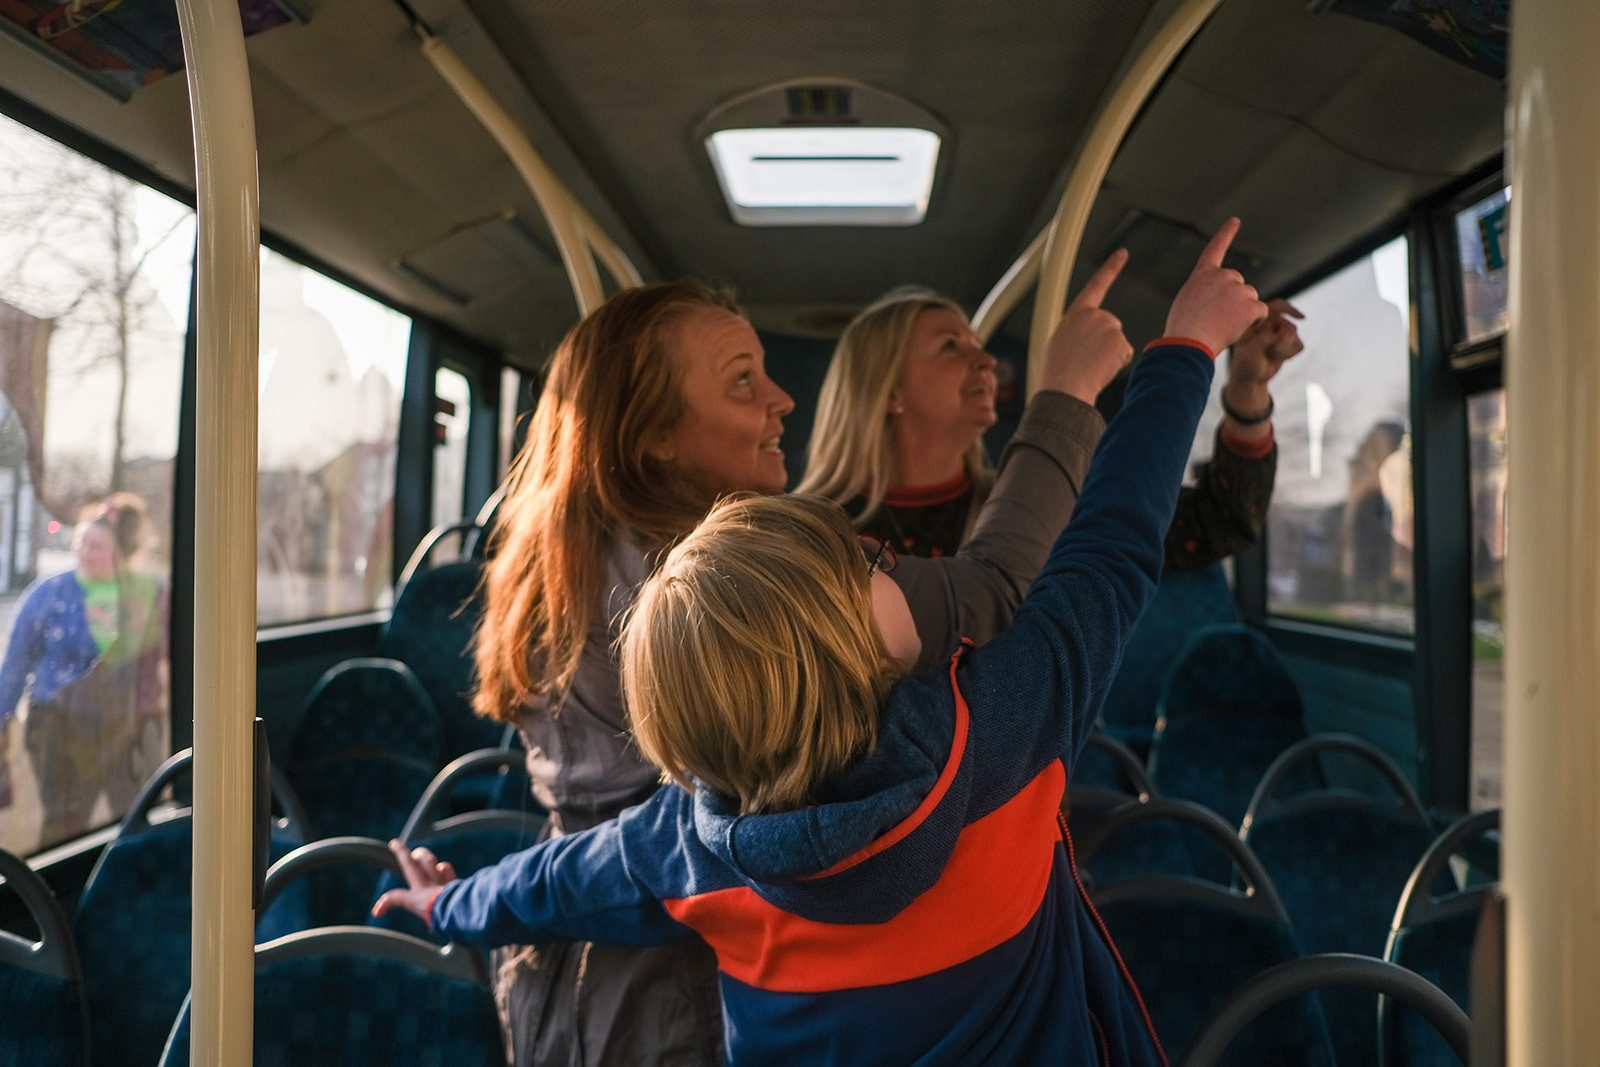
751	660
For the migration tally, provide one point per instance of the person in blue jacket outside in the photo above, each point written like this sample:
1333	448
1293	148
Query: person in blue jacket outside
88	647
876	858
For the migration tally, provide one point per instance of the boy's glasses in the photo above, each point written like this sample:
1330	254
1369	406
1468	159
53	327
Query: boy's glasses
880	554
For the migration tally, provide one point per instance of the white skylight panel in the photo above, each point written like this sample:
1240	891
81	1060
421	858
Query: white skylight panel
825	176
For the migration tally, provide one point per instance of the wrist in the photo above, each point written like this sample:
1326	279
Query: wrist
1247	403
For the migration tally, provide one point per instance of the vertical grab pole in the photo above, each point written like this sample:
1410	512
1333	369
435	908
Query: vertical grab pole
560	211
1083	184
1552	738
227	276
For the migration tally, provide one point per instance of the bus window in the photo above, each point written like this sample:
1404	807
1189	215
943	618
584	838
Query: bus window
1340	530
332	367
512	404
94	297
1481	251
1486	435
452	409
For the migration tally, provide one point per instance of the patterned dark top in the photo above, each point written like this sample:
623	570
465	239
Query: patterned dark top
1224	512
928	521
1221	515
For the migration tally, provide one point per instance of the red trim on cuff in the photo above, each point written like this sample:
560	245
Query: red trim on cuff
1189	341
1247	447
431	902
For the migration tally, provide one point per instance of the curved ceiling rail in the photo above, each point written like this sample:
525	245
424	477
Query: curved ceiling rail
1010	289
227	302
1065	231
578	237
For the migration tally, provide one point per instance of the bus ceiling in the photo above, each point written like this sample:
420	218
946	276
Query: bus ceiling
1314	127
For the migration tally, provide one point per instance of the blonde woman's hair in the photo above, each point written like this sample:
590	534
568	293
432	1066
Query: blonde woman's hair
852	439
751	660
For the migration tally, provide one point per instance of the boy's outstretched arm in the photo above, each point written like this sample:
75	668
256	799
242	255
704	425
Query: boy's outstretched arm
580	887
1034	689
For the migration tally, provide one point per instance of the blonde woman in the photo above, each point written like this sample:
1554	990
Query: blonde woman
898	435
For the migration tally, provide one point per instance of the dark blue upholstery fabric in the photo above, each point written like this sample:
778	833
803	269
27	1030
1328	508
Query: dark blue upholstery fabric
41	1020
361	793
1185	601
132	929
1440	951
1188	956
1228	709
358	1011
1340	872
430	630
369	704
1233	669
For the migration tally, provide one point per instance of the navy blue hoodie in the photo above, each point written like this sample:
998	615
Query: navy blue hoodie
925	909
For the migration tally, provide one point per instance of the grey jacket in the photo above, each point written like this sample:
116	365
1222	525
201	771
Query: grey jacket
585	768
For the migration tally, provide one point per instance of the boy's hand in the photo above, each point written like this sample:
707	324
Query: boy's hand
1088	347
425	875
1215	306
1256	359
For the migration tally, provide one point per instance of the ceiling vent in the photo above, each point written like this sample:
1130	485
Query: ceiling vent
823	154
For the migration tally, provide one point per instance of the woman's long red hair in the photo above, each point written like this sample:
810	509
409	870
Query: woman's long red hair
586	475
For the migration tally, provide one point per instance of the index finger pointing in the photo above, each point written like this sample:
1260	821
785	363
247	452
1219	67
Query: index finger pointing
1099	284
1217	247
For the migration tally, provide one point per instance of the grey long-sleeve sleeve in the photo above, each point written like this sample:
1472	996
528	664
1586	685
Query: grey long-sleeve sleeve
975	592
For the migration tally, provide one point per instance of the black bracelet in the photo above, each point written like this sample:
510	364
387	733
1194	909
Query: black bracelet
1246	420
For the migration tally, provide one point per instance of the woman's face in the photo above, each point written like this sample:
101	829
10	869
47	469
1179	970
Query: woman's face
97	553
947	385
734	412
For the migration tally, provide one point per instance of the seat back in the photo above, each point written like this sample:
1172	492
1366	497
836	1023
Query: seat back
1184	602
1159	838
1228	708
372	996
372	703
1187	942
1341	861
496	775
133	919
430	630
43	1022
1432	935
1296	978
337	876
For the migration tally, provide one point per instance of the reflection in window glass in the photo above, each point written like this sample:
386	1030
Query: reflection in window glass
332	368
94	297
1481	244
1340	527
451	409
1486	431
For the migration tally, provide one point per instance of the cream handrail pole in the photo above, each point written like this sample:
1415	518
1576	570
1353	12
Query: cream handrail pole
1010	289
1083	184
607	251
554	201
228	233
1551	835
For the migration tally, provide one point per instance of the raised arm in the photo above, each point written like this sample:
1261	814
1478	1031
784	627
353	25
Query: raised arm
975	592
1035	689
1225	511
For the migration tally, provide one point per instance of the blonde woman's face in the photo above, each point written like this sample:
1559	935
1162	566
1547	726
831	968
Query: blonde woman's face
733	421
947	385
